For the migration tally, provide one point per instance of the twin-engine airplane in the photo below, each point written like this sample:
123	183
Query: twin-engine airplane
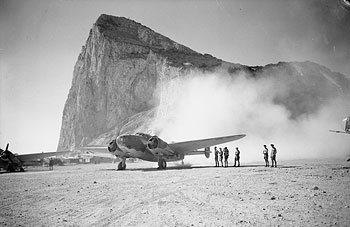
347	127
153	149
142	146
12	162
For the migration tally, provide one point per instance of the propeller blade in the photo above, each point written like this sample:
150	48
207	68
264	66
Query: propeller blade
7	147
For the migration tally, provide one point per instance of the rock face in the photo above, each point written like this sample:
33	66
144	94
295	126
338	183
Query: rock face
118	77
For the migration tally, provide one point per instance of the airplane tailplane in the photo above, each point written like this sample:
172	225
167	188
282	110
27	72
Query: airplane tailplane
207	152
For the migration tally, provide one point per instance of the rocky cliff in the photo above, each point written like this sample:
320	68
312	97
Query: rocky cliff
118	81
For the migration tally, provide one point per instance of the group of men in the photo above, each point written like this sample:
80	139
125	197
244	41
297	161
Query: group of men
224	153
273	156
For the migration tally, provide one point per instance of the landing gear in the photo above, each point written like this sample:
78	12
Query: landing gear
122	165
11	168
161	164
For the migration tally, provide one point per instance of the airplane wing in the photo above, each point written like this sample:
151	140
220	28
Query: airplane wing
100	151
36	156
93	151
339	131
190	146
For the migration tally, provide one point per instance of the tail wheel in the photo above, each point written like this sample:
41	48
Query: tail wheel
162	164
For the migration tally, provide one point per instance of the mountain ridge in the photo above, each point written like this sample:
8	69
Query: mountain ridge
123	64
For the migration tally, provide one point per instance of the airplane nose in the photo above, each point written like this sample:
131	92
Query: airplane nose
130	141
122	141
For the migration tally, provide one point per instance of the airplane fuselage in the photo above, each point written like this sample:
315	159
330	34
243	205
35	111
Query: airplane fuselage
137	146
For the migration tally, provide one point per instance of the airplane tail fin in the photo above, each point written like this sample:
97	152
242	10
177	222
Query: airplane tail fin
347	124
207	152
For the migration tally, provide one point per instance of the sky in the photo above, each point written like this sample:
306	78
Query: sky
40	42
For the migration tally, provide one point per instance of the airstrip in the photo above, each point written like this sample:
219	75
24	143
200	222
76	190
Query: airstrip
298	193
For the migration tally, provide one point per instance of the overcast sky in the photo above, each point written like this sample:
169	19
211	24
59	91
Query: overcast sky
40	42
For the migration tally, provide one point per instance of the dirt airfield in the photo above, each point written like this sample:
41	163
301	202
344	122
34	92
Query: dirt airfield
297	193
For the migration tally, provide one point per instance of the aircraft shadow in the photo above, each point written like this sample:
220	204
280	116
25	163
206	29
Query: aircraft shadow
150	169
184	167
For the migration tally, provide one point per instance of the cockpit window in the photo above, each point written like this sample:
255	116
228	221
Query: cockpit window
143	135
121	140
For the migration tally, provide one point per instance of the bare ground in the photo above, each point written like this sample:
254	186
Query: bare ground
298	193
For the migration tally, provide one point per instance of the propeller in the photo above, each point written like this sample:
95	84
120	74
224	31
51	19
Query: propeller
153	142
113	146
4	152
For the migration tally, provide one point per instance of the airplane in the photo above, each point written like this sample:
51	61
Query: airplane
12	162
345	4
347	127
152	148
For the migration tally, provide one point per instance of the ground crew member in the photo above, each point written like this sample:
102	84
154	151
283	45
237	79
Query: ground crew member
266	156
226	154
51	164
273	156
216	157
237	153
221	156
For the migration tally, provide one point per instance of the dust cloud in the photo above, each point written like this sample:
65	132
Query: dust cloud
200	105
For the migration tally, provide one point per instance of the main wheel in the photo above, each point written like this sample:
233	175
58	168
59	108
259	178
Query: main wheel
162	164
121	166
11	168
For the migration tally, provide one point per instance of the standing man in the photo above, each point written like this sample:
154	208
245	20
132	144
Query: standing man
226	153
51	164
221	155
266	156
216	157
273	156
237	153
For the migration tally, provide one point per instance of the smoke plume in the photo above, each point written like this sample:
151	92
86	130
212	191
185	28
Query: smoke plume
201	105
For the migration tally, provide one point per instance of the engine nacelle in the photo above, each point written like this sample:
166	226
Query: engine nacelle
156	145
10	156
112	146
155	142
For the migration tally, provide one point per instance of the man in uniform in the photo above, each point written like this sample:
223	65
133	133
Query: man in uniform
221	156
216	157
273	156
226	154
51	164
237	153
266	156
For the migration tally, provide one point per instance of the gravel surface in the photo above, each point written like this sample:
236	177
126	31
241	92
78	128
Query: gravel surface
297	193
